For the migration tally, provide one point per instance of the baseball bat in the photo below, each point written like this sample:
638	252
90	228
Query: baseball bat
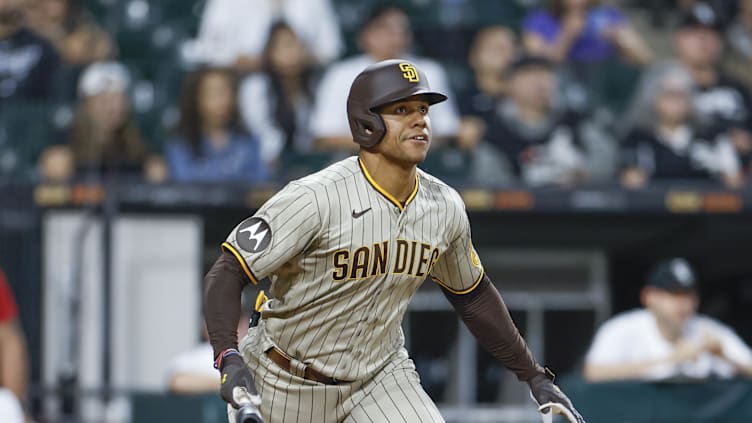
248	411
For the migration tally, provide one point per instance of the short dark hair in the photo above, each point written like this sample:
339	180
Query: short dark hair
526	61
380	9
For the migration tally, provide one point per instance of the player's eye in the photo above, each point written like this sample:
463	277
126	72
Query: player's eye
400	110
423	109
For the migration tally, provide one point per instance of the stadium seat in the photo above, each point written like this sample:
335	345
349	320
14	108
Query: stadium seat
295	165
26	128
182	10
447	163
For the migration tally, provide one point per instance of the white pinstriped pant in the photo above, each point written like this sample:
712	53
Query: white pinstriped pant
393	395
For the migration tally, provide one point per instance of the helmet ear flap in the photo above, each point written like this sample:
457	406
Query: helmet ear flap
368	128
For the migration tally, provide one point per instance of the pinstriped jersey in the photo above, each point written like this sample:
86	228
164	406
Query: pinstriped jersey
345	257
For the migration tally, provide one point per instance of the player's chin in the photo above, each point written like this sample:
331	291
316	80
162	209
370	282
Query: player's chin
416	155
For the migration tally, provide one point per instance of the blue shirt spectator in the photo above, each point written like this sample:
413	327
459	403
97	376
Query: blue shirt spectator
239	160
211	144
582	32
590	45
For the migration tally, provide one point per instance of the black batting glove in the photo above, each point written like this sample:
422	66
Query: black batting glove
235	374
544	391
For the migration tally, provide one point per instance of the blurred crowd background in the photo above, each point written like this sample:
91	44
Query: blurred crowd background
545	96
560	92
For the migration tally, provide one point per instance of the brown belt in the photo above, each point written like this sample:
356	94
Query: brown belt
283	360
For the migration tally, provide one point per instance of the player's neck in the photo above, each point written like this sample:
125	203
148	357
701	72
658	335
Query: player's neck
395	178
669	333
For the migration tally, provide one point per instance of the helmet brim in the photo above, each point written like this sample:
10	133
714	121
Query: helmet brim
431	97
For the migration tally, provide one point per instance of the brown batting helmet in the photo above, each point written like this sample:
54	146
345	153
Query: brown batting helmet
378	85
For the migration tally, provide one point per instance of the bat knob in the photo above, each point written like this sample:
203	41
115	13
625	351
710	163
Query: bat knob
248	414
248	411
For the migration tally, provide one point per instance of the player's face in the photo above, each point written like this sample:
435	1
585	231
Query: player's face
671	309
408	131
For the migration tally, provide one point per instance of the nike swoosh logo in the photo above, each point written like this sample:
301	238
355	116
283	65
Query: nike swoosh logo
356	215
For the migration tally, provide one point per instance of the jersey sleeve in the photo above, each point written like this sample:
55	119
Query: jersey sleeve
459	269
279	231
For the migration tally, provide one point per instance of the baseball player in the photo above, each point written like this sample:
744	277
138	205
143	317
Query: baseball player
345	249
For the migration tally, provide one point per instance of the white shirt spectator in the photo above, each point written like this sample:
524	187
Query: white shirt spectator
231	28
257	108
10	408
329	118
198	361
633	337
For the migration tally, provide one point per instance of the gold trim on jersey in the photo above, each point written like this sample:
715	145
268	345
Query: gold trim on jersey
462	292
227	246
384	192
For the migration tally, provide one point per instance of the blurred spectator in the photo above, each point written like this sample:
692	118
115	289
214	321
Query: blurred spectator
234	32
664	143
545	142
79	40
582	31
739	36
103	137
385	34
740	31
722	103
103	134
212	144
13	358
667	339
493	49
28	63
276	103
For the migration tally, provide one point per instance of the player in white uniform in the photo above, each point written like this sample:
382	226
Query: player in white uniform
346	249
667	339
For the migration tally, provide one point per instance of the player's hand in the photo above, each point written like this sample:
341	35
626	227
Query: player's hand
686	351
712	344
235	374
544	391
